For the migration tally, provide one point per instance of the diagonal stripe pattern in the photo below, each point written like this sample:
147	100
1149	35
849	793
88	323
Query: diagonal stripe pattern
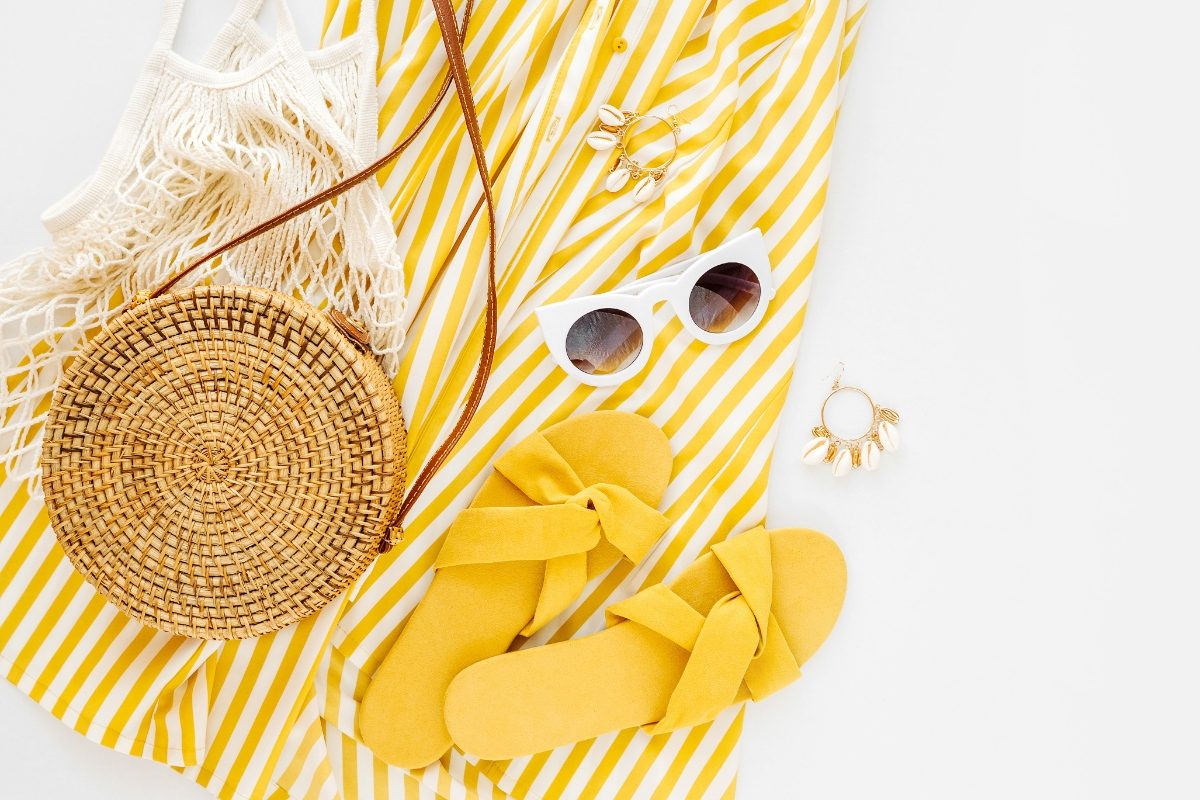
758	85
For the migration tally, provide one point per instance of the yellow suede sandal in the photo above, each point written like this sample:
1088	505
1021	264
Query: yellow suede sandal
736	625
561	507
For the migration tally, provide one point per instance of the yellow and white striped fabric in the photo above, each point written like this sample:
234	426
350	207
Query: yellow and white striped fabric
758	83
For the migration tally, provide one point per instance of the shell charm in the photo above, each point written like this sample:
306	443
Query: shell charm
611	116
616	180
889	437
602	140
646	189
846	454
814	452
870	456
612	132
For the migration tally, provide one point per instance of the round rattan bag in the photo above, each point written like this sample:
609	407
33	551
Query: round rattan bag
223	461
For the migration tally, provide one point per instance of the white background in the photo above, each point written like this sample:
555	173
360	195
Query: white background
1010	260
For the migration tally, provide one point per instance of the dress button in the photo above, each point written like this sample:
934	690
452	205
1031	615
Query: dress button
619	45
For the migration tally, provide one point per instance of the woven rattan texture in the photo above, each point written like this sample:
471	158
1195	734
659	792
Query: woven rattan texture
220	462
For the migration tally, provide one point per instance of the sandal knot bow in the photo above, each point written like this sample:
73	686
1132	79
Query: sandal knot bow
736	641
565	522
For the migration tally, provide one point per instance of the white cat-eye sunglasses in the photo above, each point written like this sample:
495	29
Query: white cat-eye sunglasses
719	296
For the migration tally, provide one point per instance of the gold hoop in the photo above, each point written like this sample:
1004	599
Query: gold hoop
874	413
614	131
635	168
847	453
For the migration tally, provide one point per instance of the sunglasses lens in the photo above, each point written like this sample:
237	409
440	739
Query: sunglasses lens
725	298
604	341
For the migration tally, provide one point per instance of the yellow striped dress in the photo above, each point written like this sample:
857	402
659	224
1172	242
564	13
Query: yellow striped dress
758	84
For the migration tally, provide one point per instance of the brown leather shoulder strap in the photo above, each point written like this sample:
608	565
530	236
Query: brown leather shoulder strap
453	38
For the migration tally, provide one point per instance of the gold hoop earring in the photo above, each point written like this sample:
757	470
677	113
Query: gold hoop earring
613	131
846	453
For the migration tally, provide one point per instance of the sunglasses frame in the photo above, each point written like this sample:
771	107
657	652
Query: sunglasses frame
673	284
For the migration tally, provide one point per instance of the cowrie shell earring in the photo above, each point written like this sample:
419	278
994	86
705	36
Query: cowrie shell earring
613	130
845	453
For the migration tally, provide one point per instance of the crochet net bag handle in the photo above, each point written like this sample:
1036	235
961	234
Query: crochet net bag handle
453	37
